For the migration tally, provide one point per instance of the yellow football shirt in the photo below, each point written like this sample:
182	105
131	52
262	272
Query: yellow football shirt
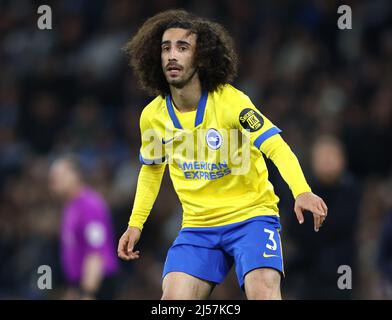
215	164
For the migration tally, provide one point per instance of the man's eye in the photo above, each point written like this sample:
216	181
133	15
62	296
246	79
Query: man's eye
182	48
165	48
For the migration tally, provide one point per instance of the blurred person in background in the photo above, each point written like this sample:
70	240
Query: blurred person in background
317	259
87	241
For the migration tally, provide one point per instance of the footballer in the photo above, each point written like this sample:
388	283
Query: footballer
230	209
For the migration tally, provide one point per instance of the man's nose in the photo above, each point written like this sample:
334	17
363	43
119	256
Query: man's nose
172	55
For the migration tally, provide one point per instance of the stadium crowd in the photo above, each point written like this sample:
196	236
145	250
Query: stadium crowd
69	90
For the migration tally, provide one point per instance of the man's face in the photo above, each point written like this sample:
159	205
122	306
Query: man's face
62	178
328	161
177	54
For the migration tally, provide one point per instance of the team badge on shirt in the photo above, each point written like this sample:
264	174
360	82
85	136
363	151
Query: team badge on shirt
214	139
251	120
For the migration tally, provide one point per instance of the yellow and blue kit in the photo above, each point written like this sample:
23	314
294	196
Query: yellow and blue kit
230	212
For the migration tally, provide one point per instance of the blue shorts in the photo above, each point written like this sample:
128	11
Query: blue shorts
210	252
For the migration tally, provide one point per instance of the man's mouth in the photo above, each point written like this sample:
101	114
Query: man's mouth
173	68
173	72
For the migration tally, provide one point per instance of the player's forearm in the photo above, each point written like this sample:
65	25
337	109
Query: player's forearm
148	185
92	275
287	163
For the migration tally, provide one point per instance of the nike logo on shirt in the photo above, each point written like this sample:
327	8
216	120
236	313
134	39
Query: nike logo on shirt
265	255
169	140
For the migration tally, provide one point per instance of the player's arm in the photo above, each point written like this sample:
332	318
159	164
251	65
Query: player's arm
276	149
148	185
265	136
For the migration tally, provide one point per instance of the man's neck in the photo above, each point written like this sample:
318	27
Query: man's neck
75	191
186	99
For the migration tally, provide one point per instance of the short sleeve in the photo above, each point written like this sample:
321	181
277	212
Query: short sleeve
95	226
95	234
152	150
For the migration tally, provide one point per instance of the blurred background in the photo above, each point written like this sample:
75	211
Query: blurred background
69	90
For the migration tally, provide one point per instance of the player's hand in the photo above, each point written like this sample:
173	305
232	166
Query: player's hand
127	243
313	203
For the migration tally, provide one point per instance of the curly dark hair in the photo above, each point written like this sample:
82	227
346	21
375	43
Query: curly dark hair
215	55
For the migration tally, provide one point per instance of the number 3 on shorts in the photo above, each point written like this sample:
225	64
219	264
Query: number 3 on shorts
271	238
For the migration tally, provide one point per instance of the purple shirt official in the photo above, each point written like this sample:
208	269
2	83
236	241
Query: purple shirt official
86	228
